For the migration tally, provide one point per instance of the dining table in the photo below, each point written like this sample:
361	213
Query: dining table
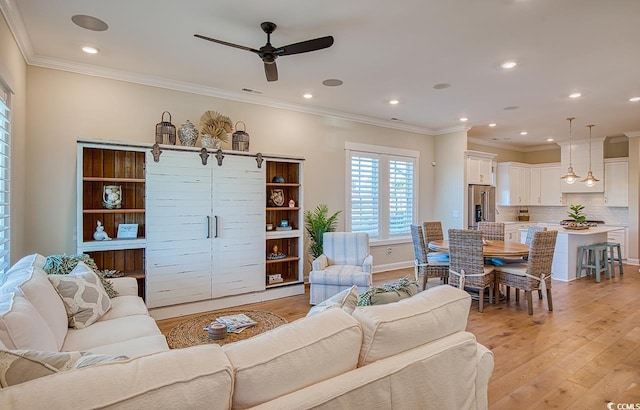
490	248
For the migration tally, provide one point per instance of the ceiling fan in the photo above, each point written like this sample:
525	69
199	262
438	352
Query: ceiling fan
269	53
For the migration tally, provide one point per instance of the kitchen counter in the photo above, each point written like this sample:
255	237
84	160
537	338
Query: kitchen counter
565	257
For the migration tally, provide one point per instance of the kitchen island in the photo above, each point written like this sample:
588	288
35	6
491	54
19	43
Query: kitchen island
565	258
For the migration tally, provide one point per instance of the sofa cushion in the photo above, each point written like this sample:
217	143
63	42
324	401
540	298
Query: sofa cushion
139	346
122	306
110	331
345	300
293	356
29	279
83	295
19	366
22	327
396	327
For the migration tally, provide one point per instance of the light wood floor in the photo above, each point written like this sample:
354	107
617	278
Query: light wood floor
582	355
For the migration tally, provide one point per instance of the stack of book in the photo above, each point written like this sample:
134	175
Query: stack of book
236	323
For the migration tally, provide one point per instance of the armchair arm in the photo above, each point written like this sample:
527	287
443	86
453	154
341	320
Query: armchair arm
367	264
320	263
125	286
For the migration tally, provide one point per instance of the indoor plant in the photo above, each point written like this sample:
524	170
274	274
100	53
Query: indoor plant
577	215
316	223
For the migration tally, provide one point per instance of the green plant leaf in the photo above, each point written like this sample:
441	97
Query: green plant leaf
316	223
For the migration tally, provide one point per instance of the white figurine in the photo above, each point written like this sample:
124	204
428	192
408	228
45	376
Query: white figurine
100	234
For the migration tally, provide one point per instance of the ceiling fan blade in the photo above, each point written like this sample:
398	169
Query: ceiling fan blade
226	43
271	71
305	46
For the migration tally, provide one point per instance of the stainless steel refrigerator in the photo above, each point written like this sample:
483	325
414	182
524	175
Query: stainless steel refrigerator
482	205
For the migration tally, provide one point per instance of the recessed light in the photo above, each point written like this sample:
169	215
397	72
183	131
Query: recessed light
308	95
441	86
575	95
493	124
634	99
332	82
523	132
549	139
393	102
464	119
509	64
90	50
89	22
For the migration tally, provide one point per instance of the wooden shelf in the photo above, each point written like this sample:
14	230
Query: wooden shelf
283	184
101	179
283	260
113	211
283	208
284	283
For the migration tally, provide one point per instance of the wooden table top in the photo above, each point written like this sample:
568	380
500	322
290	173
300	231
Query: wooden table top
492	248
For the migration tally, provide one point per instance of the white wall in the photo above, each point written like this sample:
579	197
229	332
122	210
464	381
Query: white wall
450	191
64	106
13	71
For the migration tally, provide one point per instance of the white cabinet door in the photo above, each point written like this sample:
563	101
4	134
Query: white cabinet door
616	181
619	236
550	185
238	227
512	184
480	168
178	257
534	186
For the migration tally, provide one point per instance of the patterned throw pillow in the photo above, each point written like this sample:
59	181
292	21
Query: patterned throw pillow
83	295
345	300
389	293
19	366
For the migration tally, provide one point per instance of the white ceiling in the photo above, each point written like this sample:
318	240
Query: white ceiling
382	50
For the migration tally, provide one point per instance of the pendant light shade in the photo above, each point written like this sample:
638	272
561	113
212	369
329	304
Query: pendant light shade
570	177
590	180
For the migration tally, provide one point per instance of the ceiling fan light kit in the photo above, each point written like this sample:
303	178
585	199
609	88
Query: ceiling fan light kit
570	177
268	53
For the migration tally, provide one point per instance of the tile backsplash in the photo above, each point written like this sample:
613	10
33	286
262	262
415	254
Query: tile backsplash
593	204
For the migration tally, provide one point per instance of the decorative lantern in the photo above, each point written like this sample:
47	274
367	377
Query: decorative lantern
240	138
165	130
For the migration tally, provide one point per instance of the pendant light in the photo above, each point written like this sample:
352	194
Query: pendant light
590	180
570	177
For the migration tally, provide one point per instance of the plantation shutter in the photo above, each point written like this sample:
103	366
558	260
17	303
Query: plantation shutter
400	196
364	194
5	179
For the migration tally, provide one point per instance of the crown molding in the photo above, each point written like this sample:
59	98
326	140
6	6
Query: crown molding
503	145
632	134
449	130
17	27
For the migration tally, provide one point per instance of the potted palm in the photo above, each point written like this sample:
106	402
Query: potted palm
316	223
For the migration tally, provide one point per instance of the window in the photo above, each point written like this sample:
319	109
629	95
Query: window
5	178
382	190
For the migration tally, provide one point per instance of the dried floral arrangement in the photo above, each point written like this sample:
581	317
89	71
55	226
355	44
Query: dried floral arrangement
216	124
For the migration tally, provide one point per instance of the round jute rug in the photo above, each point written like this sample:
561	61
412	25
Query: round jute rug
191	332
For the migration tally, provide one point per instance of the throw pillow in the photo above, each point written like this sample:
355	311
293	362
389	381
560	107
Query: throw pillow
345	300
19	366
63	264
389	293
83	295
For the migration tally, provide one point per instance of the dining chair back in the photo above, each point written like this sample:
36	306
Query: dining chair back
432	231
422	265
535	274
492	231
466	264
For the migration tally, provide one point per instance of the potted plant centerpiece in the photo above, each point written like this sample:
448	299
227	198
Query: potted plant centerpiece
576	213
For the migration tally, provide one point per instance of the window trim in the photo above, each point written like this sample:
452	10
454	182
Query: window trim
5	242
386	154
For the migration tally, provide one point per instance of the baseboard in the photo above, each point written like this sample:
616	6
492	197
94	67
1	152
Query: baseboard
632	261
392	266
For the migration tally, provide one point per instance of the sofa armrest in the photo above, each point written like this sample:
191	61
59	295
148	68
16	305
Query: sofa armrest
125	286
367	264
485	368
320	263
193	378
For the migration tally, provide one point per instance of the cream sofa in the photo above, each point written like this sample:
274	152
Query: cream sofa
411	354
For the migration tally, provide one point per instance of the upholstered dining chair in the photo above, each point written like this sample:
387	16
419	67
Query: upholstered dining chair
466	264
345	262
492	231
422	265
535	274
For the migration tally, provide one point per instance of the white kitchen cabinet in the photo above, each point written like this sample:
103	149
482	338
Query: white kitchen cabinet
551	185
480	168
205	228
616	181
512	184
512	231
619	236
